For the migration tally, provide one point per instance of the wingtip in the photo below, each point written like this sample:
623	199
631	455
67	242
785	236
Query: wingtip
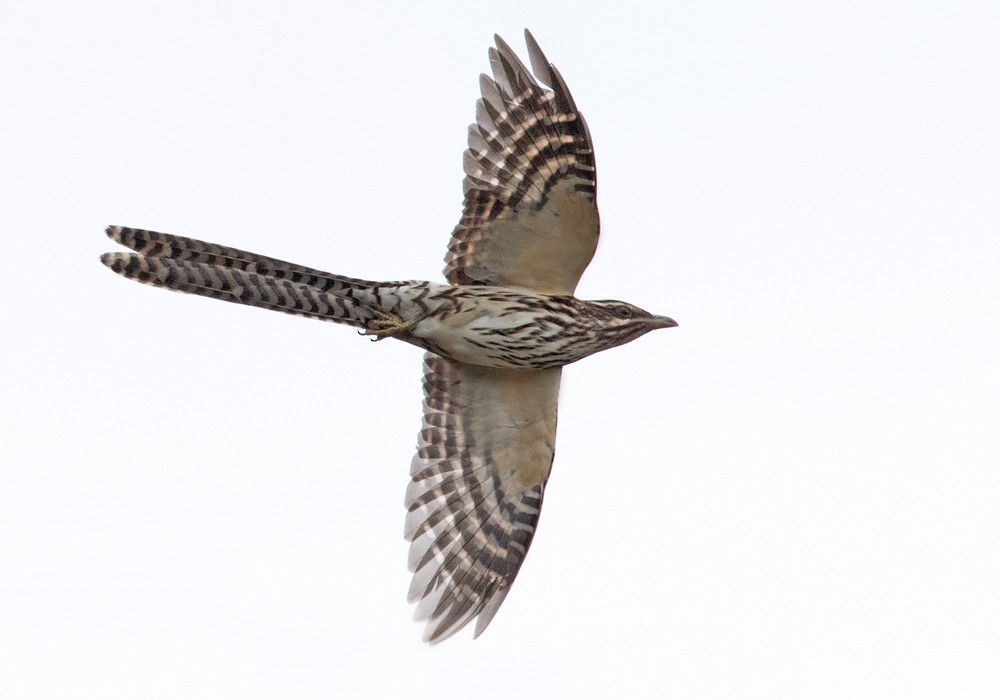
529	39
540	64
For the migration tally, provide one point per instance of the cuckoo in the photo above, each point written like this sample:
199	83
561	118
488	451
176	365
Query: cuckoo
495	336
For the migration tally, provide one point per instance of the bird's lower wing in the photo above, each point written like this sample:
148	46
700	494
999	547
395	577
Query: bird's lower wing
484	456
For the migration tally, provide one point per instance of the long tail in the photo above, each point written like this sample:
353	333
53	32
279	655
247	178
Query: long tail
210	270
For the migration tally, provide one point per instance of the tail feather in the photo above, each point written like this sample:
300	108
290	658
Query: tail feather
152	244
242	284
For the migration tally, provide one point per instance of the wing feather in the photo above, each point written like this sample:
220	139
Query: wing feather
484	455
530	214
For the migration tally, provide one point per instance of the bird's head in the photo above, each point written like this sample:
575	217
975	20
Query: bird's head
625	322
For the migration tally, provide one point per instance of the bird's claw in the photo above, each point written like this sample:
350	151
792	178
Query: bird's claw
385	325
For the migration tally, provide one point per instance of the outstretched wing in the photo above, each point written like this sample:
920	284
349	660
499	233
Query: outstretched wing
530	215
476	486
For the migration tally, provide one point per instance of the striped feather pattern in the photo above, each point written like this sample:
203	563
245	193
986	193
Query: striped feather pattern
484	455
215	271
497	336
530	217
152	244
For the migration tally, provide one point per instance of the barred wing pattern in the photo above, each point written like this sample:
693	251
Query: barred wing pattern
488	438
530	216
487	441
476	487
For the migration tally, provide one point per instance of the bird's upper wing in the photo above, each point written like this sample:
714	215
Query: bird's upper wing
530	214
484	455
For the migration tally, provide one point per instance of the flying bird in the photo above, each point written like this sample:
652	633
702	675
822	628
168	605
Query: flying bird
495	337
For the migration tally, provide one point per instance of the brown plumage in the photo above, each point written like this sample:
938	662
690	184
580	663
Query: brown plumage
496	336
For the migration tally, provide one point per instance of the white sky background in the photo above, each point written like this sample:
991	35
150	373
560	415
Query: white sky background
792	495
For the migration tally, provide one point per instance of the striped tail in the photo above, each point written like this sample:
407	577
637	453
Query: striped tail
210	270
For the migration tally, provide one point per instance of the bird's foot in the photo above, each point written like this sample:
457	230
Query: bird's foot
385	325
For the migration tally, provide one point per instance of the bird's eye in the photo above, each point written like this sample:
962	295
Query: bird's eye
623	312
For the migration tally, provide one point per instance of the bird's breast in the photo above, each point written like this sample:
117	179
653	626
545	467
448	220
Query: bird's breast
502	330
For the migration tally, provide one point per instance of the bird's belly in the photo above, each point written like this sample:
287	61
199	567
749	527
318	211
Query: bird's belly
516	340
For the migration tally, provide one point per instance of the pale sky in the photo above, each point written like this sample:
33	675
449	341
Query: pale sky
794	494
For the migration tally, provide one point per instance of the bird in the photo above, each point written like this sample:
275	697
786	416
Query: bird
495	335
